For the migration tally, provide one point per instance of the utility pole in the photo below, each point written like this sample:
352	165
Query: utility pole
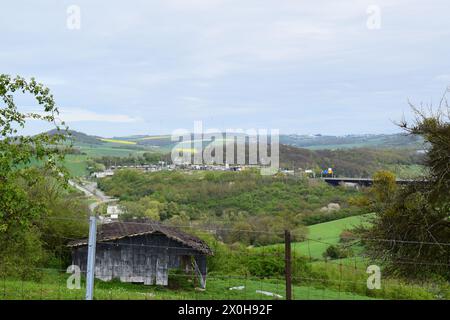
91	257
288	272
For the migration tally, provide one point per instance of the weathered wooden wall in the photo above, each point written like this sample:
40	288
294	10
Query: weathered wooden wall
141	259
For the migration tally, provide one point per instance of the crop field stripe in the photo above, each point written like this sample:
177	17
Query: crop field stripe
118	141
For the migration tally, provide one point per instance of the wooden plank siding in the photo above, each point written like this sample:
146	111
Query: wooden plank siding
143	259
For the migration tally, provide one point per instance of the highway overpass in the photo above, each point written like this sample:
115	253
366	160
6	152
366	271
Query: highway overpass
359	181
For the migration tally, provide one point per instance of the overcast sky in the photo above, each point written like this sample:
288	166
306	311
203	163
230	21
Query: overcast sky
148	67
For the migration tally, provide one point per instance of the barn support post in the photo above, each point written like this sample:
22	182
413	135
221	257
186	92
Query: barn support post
287	256
90	274
199	263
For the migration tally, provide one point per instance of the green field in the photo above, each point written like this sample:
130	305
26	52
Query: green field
334	285
162	137
322	235
109	150
76	164
118	141
410	171
340	279
53	286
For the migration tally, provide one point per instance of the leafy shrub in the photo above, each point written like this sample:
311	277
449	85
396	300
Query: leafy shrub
346	236
267	263
335	252
178	279
316	218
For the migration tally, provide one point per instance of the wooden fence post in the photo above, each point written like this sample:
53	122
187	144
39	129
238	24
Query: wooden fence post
288	272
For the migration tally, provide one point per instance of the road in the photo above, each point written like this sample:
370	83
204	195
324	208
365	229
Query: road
91	190
360	181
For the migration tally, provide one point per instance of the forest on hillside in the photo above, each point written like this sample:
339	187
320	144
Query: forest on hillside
239	200
356	162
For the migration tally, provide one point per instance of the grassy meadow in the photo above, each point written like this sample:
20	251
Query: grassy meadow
53	286
322	235
319	279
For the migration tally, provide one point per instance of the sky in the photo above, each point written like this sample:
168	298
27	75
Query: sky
121	68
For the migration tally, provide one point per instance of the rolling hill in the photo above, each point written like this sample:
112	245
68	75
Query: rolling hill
79	137
313	142
322	235
369	153
398	140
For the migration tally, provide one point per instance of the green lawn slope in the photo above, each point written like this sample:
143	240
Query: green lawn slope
322	235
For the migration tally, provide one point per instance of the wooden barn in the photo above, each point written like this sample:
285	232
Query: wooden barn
142	253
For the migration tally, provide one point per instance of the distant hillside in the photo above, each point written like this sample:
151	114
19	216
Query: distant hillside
313	142
401	158
351	156
80	137
355	162
398	140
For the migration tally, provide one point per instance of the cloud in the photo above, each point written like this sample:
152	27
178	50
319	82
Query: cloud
82	115
48	80
266	63
191	99
194	5
443	78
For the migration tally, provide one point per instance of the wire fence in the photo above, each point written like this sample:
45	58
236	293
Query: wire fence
141	260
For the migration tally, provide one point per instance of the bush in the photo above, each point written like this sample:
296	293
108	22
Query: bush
21	252
267	263
316	218
335	252
178	279
346	236
226	260
417	214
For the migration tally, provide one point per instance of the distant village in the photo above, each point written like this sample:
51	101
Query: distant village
163	166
